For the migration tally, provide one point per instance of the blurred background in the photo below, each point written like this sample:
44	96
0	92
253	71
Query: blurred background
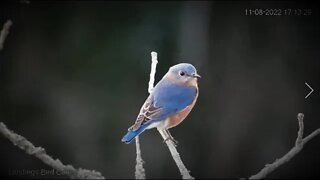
75	74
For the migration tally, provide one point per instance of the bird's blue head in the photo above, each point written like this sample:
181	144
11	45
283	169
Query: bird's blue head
183	73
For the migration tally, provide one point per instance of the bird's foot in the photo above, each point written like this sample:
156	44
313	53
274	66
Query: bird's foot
175	142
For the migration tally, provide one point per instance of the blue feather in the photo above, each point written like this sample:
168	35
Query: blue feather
173	98
132	134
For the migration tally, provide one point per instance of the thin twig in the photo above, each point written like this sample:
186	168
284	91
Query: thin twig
175	155
300	117
312	135
300	142
154	62
41	154
4	32
140	172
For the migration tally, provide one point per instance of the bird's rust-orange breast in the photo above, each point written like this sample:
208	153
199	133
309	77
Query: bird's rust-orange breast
180	116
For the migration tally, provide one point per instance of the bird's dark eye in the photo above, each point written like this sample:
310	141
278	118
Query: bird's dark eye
181	73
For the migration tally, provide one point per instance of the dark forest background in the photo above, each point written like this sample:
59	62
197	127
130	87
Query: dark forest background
75	74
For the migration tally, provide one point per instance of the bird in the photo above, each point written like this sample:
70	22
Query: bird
169	102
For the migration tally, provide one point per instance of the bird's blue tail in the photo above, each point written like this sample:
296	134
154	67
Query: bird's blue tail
132	134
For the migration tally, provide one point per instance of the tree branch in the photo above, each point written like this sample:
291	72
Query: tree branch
300	142
175	155
140	172
154	62
4	32
41	154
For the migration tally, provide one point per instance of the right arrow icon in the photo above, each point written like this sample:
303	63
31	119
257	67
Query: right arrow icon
310	91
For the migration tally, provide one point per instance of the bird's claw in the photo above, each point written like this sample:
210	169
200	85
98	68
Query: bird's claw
175	142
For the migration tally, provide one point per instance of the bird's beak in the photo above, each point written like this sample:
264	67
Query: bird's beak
196	76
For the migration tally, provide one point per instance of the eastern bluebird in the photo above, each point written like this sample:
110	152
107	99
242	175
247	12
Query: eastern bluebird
169	103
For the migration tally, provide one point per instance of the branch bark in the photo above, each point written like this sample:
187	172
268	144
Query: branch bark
176	157
300	142
174	153
41	154
140	173
4	32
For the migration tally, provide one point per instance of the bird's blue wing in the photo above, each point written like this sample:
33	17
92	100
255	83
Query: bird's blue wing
174	97
163	102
